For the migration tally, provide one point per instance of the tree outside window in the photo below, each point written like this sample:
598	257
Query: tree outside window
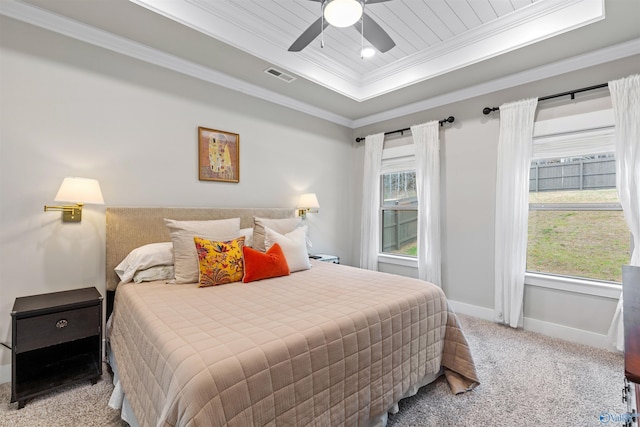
399	213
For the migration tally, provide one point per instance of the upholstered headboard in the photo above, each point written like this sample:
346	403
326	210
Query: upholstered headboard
129	228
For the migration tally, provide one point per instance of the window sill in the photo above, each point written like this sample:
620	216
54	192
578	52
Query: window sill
567	284
572	284
398	260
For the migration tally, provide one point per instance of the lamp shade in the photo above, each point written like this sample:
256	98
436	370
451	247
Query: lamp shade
308	201
80	190
342	13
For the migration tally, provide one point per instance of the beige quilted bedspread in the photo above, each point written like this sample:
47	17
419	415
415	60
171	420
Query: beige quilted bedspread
330	346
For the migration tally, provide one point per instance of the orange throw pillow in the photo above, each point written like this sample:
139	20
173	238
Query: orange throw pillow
258	265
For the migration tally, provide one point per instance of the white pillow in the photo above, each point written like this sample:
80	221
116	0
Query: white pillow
294	247
157	272
184	249
144	257
248	236
281	226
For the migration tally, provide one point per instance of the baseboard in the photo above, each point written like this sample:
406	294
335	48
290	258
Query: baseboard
579	336
575	335
472	310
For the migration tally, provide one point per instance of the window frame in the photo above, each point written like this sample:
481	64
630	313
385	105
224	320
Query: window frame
399	158
596	121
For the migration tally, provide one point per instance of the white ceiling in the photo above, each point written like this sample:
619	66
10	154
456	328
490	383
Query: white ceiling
445	50
432	37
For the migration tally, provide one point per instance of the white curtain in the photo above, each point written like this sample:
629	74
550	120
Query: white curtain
370	224
625	98
512	208
426	138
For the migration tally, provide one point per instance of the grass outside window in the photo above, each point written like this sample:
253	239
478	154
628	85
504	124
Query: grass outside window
399	214
588	244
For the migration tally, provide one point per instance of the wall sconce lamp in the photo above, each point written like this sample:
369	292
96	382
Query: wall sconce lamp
78	191
308	203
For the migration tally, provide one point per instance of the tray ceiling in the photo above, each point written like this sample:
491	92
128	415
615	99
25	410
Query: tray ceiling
432	37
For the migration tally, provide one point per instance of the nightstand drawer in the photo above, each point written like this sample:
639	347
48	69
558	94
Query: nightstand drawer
55	328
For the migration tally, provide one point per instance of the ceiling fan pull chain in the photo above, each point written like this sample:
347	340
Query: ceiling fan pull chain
322	27
362	32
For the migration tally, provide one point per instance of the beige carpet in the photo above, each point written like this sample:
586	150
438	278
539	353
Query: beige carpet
527	380
80	405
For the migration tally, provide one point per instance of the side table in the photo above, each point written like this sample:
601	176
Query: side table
56	341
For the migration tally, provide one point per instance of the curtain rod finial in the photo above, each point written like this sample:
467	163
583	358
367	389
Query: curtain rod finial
449	119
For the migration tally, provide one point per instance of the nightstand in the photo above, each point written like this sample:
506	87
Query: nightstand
57	341
326	258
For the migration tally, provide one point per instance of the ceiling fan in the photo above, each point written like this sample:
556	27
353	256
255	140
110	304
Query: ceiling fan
345	13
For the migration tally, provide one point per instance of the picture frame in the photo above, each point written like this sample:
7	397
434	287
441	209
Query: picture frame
218	155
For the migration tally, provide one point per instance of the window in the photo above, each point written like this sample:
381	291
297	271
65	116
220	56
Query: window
399	213
399	201
576	224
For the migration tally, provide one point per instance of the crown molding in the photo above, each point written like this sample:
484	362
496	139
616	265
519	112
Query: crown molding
532	24
601	56
70	28
536	13
527	25
216	20
88	34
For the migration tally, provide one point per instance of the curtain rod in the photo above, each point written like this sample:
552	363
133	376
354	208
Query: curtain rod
449	119
487	110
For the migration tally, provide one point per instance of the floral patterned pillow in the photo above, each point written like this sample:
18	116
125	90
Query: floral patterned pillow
219	262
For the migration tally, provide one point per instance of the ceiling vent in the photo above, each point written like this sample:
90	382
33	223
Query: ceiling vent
279	74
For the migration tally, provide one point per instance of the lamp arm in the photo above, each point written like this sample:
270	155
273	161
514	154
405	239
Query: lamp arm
70	213
68	208
302	212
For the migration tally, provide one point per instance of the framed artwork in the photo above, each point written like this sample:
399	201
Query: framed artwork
218	155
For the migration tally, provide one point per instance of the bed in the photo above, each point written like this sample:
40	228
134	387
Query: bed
329	345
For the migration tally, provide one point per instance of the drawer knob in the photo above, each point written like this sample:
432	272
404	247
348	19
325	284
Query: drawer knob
62	323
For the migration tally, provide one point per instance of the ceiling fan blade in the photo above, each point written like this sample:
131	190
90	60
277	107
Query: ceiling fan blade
375	34
308	36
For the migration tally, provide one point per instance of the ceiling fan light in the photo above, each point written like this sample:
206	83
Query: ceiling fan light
367	52
342	13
